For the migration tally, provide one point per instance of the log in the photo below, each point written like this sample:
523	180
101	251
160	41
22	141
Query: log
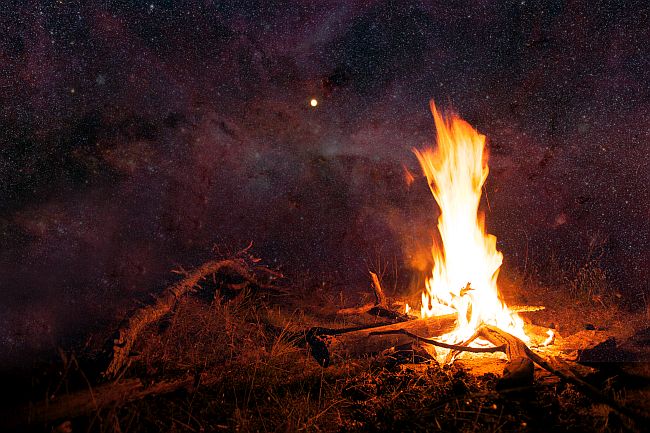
329	345
521	367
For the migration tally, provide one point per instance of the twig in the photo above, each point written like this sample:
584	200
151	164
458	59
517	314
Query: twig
380	298
493	349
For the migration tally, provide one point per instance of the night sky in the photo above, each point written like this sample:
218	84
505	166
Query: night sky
135	136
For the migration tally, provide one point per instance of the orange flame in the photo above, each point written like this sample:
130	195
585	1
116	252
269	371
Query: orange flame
408	176
464	276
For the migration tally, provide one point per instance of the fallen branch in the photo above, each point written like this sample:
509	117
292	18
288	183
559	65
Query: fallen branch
130	331
586	388
431	342
92	400
520	370
380	298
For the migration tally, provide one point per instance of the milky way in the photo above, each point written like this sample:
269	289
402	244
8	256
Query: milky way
136	136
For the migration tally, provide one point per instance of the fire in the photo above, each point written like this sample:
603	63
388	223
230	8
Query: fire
466	264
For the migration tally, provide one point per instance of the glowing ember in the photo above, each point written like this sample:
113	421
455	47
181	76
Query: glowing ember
466	265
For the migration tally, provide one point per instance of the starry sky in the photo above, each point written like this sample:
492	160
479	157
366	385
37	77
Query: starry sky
137	135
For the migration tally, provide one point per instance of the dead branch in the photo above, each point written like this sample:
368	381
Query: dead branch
586	388
380	298
91	400
520	370
165	302
431	342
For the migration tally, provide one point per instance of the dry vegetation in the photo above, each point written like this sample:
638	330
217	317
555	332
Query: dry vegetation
251	375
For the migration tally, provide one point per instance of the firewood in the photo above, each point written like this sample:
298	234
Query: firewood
457	347
380	298
570	375
517	350
520	369
327	345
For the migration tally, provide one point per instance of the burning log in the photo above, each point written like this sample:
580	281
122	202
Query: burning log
164	304
520	370
329	344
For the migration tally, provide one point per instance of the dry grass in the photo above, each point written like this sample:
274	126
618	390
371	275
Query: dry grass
260	381
578	294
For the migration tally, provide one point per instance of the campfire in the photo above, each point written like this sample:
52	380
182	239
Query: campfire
252	216
466	262
462	311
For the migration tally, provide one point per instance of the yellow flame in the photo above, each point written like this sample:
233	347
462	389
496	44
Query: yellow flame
550	339
466	265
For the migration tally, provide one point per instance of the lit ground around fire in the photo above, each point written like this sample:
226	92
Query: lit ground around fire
258	380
